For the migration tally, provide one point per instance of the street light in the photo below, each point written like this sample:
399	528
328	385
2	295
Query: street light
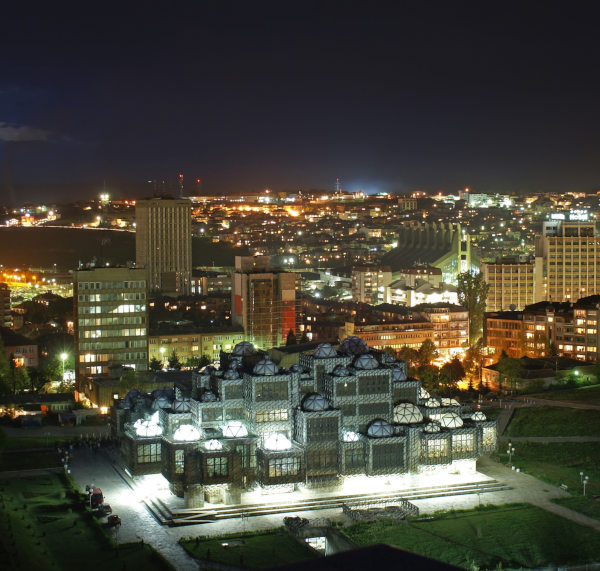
63	356
510	452
585	483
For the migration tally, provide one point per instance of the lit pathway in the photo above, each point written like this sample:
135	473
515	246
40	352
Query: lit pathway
550	439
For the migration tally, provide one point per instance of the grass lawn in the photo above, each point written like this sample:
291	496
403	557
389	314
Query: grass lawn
587	506
257	551
554	421
27	461
511	536
559	463
589	395
45	526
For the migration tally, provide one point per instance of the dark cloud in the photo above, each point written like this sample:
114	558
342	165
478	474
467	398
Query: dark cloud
22	133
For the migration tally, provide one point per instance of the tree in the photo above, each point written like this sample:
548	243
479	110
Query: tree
509	369
304	338
472	361
451	373
198	362
427	353
291	338
472	294
174	362
430	377
411	357
155	365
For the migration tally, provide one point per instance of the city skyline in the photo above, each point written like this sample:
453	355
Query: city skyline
388	98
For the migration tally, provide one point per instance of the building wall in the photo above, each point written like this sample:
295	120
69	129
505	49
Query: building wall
369	284
5	315
111	320
163	243
186	345
511	285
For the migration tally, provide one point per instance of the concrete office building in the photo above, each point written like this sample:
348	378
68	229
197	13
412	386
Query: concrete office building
263	301
370	284
163	244
513	284
111	320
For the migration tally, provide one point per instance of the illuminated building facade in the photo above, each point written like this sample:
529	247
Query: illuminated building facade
111	320
513	284
263	301
163	244
5	315
370	283
337	415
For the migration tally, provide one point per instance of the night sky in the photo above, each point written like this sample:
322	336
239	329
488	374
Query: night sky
250	95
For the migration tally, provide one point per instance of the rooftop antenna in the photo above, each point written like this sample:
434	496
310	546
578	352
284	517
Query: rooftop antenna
338	185
180	184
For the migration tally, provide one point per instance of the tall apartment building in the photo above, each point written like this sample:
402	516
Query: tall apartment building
571	251
263	301
503	331
111	320
370	282
163	243
450	326
5	315
513	284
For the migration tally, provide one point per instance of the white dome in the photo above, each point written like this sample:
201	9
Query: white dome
208	396
243	349
478	416
407	413
231	374
234	429
449	402
350	436
265	367
432	427
431	402
182	404
451	420
187	433
423	394
398	374
341	371
314	402
366	362
277	441
353	346
324	351
161	402
380	428
147	428
213	445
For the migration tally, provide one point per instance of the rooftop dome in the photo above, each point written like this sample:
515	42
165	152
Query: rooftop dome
341	371
208	396
314	402
432	427
380	428
161	402
295	368
423	394
366	362
478	416
213	445
277	441
182	404
265	367
166	392
407	413
243	349
398	374
234	429
187	433
431	402
133	393
324	350
449	402
231	374
350	436
451	420
353	346
387	358
147	428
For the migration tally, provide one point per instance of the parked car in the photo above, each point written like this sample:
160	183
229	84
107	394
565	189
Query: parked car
96	498
114	520
104	509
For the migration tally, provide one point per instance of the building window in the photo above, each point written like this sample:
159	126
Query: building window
345	388
284	467
212	414
354	458
216	466
179	461
373	385
147	453
322	429
437	448
489	436
271	415
274	390
462	443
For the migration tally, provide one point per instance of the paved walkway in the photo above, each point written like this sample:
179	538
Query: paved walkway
550	439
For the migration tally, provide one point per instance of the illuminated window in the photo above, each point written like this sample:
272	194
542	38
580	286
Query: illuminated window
271	415
289	466
437	448
462	443
216	466
179	461
147	453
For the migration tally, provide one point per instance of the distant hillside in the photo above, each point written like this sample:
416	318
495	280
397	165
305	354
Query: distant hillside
65	247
